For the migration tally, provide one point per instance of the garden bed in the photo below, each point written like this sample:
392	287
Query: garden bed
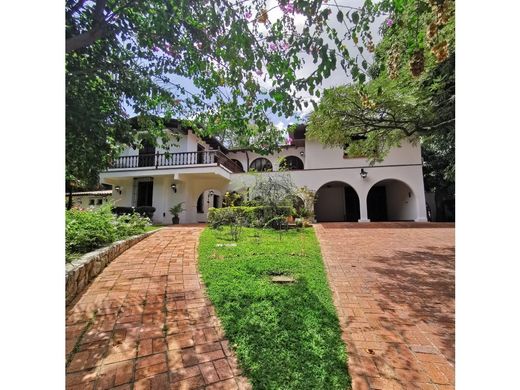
286	335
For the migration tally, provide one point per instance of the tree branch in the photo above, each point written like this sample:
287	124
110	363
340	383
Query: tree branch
98	31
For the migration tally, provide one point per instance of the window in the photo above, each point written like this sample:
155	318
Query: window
91	202
99	201
291	163
261	165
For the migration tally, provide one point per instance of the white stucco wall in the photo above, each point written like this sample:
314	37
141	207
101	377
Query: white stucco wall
318	156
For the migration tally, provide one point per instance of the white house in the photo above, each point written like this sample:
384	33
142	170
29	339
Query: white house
88	199
199	171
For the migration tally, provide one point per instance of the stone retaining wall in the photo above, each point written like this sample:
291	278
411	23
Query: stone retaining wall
81	271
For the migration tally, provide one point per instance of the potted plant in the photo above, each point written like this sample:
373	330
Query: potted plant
175	211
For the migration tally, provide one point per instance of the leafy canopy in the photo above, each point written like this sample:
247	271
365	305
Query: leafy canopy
223	65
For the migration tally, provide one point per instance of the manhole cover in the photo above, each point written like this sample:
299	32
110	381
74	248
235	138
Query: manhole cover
282	279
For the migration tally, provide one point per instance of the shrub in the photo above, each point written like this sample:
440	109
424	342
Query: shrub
87	230
123	210
130	225
145	211
253	216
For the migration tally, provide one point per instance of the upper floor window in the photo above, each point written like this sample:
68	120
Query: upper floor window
291	163
261	165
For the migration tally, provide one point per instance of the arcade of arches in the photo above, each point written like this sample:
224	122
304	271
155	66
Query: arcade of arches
387	200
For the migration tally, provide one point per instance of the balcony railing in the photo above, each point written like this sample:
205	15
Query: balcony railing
175	159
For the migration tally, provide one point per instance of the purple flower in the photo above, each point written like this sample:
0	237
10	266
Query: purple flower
389	22
155	49
272	46
285	46
259	72
288	8
248	15
289	140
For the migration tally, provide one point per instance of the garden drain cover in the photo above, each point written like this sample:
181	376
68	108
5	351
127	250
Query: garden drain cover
282	279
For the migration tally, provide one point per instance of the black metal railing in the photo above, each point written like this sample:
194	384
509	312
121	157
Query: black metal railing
175	159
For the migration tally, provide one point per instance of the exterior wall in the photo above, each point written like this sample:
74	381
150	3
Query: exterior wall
319	156
83	201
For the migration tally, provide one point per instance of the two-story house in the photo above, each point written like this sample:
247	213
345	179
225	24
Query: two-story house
199	171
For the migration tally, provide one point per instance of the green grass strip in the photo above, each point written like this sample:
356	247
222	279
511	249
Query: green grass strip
285	336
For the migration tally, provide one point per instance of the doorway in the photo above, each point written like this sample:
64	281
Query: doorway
144	193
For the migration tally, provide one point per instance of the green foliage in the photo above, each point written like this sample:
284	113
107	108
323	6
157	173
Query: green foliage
176	209
135	57
284	336
254	216
87	230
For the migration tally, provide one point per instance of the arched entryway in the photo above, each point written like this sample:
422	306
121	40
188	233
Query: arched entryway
391	200
207	199
336	202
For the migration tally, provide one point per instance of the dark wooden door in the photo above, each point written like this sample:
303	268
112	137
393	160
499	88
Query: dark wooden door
144	193
376	203
200	154
147	155
215	201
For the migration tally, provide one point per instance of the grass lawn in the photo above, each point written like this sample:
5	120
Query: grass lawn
285	336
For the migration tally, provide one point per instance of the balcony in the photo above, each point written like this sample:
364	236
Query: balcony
174	160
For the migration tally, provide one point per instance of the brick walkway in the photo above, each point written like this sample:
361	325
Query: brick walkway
394	289
145	323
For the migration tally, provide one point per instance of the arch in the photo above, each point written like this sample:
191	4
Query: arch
391	200
291	163
239	164
208	198
336	201
261	164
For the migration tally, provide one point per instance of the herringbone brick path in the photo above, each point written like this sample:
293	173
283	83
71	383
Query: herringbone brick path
394	290
145	323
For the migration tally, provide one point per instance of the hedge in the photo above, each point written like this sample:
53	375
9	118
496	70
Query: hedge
246	216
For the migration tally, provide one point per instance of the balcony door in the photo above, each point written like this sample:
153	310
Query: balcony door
200	154
147	155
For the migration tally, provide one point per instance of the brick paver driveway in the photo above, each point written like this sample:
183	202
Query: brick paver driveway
145	323
394	289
